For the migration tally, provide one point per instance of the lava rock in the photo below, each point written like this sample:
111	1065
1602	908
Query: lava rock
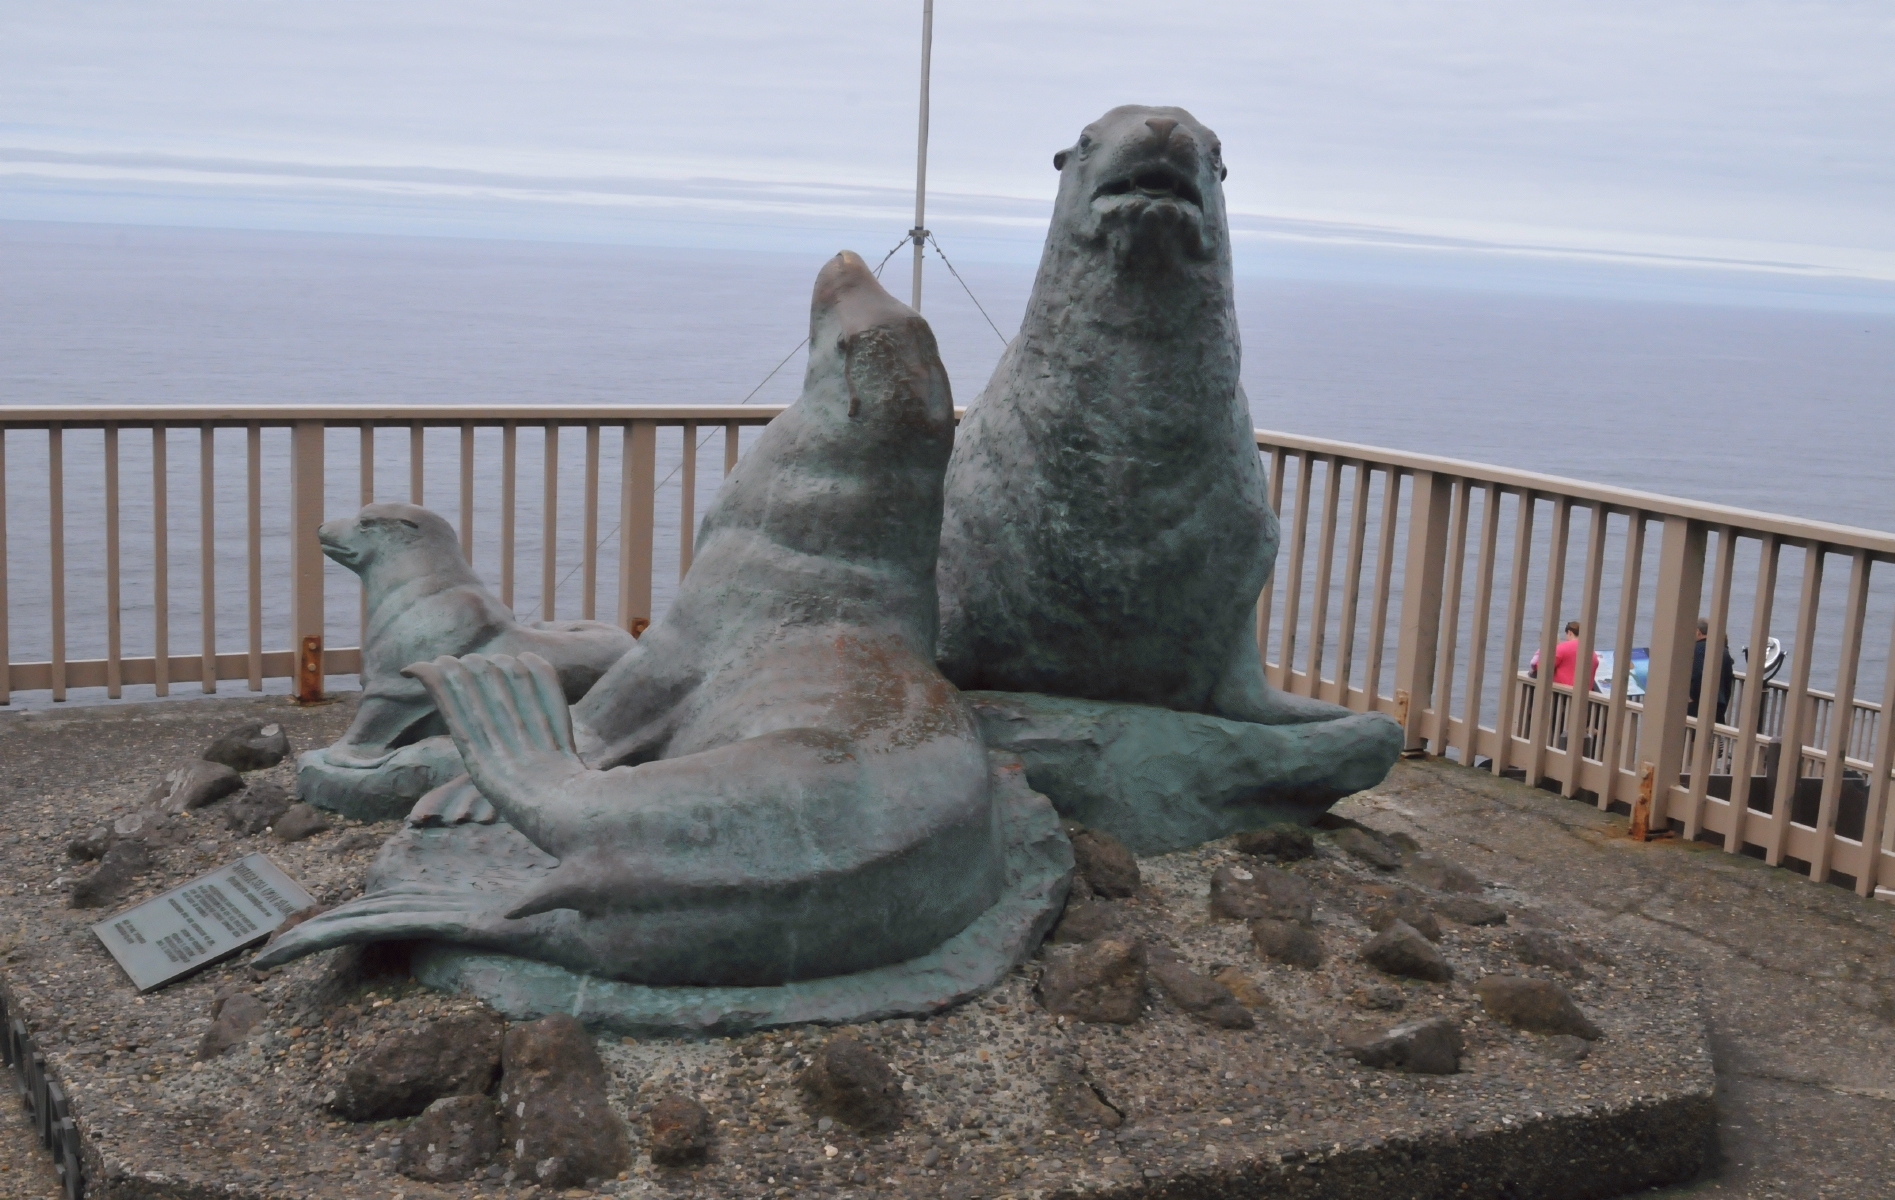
1286	942
1438	873
1242	986
1424	1047
127	859
1470	910
360	839
193	783
1538	948
1378	997
1566	1047
257	809
1102	981
233	1016
152	826
298	821
1088	921
1199	995
406	1070
1405	908
452	1140
1535	1005
553	1110
1401	950
1285	843
852	1083
680	1132
1076	1102
251	746
1240	893
91	845
1361	844
1105	863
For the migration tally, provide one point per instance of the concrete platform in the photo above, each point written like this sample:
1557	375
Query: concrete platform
1798	992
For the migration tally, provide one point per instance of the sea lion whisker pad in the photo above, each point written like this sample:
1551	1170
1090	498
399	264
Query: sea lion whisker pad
1107	530
773	808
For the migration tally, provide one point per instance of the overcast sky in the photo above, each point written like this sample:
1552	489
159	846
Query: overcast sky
1733	131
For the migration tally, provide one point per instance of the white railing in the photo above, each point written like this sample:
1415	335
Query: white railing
1435	543
1430	583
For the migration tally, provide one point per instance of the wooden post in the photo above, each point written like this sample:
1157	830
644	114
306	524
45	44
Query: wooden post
306	560
1668	682
1422	576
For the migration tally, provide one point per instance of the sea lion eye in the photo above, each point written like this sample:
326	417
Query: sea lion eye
408	523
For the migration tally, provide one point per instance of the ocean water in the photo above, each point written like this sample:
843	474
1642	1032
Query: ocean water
1778	409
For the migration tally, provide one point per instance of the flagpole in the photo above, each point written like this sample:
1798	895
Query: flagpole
920	232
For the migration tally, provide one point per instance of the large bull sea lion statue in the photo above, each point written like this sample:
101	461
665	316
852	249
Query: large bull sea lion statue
1107	530
774	808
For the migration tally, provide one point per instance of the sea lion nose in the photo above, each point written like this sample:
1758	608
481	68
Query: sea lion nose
1162	126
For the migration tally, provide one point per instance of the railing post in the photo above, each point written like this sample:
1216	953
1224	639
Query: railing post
306	616
1668	679
638	486
1422	575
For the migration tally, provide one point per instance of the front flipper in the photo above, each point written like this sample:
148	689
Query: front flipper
455	802
510	722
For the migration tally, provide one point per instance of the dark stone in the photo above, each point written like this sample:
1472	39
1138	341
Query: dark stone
1199	995
680	1132
251	746
1361	844
360	839
1088	921
1535	1005
1286	843
1538	948
193	783
1102	981
1405	908
298	821
1401	950
451	1141
91	845
553	1110
1566	1047
1242	986
127	859
1378	997
1076	1102
409	1069
1431	871
1244	893
152	826
1423	1047
1470	910
1103	860
233	1016
257	809
1286	942
852	1083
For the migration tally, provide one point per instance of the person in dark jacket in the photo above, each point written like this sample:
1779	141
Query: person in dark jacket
1726	678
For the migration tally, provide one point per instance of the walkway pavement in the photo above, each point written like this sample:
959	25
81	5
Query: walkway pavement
1799	978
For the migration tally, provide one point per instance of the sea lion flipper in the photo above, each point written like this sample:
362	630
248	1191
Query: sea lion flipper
455	802
509	720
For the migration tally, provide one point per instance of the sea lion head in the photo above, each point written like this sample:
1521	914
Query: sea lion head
404	537
1148	181
881	352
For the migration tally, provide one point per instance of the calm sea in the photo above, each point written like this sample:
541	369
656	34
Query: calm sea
1769	408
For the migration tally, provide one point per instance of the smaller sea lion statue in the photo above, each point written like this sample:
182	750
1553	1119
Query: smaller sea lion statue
774	808
425	601
1107	530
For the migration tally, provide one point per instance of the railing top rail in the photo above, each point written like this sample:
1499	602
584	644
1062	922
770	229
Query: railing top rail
1745	521
19	416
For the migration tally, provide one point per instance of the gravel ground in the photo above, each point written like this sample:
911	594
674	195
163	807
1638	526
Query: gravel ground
1197	1101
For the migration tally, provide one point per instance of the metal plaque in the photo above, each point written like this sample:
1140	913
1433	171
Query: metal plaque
199	922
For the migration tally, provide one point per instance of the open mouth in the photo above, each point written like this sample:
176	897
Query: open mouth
1154	183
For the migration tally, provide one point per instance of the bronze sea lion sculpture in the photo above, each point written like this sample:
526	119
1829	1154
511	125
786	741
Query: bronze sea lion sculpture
774	807
424	601
1107	530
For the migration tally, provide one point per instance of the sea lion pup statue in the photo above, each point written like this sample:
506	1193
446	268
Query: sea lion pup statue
424	601
1107	530
797	819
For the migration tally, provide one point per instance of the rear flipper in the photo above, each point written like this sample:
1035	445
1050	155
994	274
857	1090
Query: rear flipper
455	802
